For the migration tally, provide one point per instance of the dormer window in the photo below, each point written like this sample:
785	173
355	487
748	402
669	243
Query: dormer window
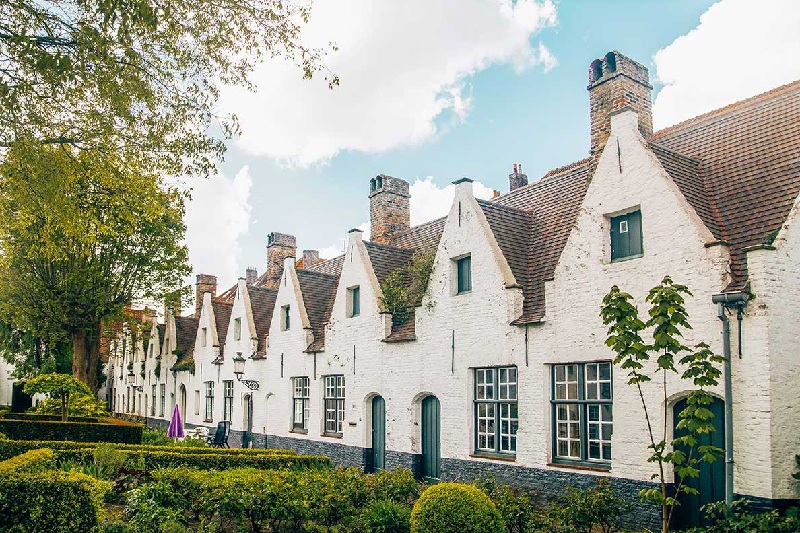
285	318
626	236
463	274
353	301
237	329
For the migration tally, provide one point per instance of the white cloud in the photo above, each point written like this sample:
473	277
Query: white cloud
402	66
217	215
739	49
429	201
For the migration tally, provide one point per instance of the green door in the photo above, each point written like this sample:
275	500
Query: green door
711	482
378	433
431	458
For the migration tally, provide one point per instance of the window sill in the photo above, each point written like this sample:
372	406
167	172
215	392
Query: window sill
626	258
299	431
332	435
496	456
462	293
207	421
581	466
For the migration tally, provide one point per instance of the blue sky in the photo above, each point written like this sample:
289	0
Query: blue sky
453	88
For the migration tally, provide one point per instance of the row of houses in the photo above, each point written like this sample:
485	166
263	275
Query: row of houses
500	366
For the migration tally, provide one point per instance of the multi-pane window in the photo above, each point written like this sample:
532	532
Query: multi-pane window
353	301
209	400
285	317
626	236
582	412
334	404
464	274
227	400
237	329
153	407
300	398
496	414
163	399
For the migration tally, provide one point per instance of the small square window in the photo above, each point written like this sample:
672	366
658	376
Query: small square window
353	301
463	274
285	323
626	236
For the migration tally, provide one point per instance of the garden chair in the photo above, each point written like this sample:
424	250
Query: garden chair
221	436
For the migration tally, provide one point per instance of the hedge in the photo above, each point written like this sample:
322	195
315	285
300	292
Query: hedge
52	418
56	502
124	432
165	456
455	508
30	462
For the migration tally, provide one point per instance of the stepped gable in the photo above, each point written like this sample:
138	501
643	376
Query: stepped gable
552	203
262	304
747	164
222	317
319	291
185	336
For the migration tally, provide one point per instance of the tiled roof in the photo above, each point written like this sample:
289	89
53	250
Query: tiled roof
748	163
512	229
423	237
319	291
552	203
386	259
185	335
162	330
222	317
262	303
405	331
329	266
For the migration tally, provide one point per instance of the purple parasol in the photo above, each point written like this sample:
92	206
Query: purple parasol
176	424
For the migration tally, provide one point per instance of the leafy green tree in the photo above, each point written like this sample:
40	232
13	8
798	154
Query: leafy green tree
61	386
83	236
667	318
138	77
31	354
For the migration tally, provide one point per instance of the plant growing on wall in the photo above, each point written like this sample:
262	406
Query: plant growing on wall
157	369
141	372
667	318
404	287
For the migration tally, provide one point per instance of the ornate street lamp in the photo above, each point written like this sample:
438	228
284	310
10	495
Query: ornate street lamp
238	369
132	382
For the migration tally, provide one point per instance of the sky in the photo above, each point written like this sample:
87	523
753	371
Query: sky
435	90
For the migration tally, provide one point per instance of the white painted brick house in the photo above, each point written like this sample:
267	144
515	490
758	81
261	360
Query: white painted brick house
502	367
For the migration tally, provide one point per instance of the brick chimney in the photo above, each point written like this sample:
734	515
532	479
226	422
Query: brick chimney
279	247
251	275
389	210
205	283
617	82
311	258
517	179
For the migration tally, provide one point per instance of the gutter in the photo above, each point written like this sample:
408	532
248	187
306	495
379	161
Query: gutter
727	300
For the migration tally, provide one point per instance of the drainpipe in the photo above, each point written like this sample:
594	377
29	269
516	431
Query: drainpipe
723	301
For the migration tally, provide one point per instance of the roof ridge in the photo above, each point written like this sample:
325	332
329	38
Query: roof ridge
490	203
724	110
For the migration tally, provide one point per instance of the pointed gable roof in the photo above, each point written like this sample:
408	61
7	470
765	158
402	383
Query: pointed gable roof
386	259
185	336
262	304
745	161
319	291
222	317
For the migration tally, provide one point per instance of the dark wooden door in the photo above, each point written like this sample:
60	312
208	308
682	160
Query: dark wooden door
711	482
431	456
378	433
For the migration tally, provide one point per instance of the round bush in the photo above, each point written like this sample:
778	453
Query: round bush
455	508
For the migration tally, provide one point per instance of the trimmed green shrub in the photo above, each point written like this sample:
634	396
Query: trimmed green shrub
386	516
54	418
593	508
516	506
30	462
109	459
455	508
56	502
123	432
398	486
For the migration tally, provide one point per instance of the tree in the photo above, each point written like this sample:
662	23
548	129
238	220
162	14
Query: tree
58	386
82	236
667	317
138	77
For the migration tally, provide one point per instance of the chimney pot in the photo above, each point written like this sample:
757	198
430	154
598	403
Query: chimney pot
517	179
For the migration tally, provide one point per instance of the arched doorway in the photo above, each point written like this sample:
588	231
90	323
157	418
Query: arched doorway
710	484
378	455
182	405
431	454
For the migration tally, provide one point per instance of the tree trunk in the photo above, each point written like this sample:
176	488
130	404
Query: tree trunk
85	354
